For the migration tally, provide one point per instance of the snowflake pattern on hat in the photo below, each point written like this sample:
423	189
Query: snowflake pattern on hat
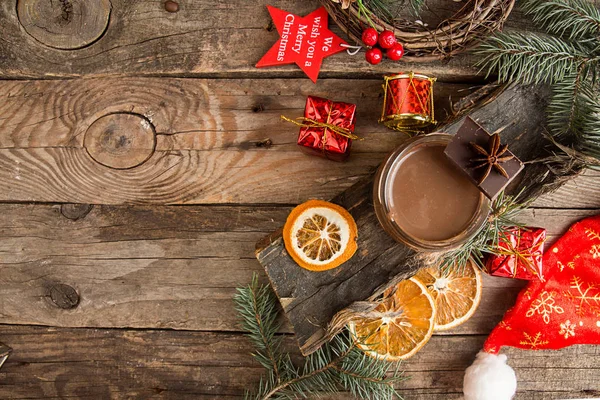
565	309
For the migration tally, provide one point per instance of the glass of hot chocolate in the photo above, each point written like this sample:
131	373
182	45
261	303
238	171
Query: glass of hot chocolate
423	200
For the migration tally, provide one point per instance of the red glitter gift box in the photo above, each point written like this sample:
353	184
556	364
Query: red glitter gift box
328	128
519	254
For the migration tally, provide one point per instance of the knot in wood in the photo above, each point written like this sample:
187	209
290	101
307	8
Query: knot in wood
120	140
64	24
75	211
63	296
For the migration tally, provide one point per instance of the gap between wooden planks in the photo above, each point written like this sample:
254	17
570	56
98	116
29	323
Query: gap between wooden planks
165	267
61	363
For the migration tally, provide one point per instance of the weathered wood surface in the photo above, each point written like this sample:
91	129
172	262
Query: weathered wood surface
199	141
176	268
210	144
162	278
311	299
56	363
167	267
203	39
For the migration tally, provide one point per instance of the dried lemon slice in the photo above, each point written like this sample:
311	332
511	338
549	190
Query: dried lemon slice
320	235
400	325
456	293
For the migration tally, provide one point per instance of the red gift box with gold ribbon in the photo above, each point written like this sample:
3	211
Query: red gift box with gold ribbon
327	128
519	254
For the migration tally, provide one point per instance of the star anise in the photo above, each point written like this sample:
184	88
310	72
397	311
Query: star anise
491	158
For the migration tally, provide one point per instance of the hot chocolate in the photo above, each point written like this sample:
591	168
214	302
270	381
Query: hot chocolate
423	200
429	197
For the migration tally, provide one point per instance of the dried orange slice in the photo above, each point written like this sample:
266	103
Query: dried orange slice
399	326
320	235
456	292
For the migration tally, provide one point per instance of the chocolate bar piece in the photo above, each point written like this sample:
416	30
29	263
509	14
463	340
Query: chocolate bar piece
462	150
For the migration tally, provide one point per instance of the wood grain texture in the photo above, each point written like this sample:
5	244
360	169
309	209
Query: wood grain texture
217	141
66	24
312	300
210	140
164	267
201	39
51	363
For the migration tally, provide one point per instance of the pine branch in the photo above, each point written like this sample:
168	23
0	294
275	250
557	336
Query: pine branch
338	365
531	58
503	213
589	140
565	106
569	61
257	306
574	19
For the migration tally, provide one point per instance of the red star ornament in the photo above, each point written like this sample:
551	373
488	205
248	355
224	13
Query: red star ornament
303	40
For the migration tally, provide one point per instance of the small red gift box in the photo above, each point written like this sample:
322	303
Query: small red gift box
519	254
327	129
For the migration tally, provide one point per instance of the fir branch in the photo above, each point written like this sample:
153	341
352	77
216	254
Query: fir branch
574	19
338	365
257	306
565	106
503	213
569	61
531	58
589	142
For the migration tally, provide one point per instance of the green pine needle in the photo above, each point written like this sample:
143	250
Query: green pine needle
530	58
503	214
568	59
337	366
573	19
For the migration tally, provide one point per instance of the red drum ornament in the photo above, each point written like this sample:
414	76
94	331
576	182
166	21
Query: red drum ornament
408	101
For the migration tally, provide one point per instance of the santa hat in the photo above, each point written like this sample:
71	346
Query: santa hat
562	311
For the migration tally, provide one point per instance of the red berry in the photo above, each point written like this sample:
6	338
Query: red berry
374	56
395	52
370	36
387	39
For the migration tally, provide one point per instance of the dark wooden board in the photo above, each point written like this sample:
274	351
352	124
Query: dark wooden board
312	299
115	364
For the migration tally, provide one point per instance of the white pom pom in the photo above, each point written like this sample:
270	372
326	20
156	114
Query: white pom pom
489	378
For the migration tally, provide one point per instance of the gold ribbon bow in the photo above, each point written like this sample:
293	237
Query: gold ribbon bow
311	123
524	256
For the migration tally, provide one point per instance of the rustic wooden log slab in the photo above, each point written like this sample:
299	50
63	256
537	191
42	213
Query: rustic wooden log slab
179	141
163	267
55	363
311	299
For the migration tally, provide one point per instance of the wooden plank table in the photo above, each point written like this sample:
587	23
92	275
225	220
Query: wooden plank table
119	258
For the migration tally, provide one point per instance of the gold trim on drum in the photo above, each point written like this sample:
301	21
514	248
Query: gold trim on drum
398	121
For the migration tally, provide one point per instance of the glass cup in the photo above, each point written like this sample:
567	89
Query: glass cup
384	202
